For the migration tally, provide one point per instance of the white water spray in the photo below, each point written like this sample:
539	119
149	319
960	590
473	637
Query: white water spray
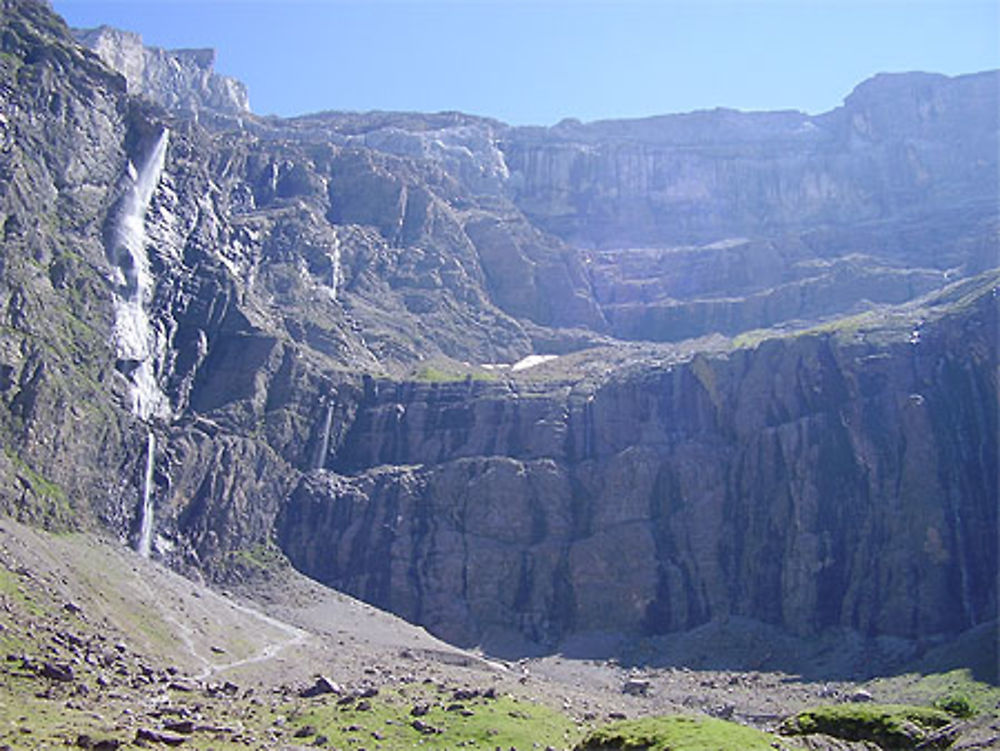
134	337
324	445
146	525
335	273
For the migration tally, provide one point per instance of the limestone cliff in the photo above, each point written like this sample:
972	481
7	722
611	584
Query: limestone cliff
222	333
889	153
176	79
841	478
723	220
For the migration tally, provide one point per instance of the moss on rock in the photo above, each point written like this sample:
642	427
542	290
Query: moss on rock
676	733
891	726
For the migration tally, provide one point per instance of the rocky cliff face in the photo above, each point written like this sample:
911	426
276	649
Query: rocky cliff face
224	333
841	478
784	215
175	79
888	153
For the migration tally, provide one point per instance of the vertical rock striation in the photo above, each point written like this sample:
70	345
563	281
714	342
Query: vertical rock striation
888	154
175	79
837	479
290	302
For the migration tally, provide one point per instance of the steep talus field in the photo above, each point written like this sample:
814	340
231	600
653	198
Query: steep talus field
227	339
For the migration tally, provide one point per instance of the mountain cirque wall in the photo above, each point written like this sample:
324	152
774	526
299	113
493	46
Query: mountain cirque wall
723	221
303	268
889	152
834	479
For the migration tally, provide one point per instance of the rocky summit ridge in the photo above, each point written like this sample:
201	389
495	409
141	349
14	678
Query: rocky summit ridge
774	390
180	80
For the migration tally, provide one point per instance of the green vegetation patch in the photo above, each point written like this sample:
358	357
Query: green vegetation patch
957	705
956	692
428	716
891	726
261	557
14	599
676	733
446	374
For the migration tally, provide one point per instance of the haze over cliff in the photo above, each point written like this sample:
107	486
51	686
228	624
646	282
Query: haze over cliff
775	395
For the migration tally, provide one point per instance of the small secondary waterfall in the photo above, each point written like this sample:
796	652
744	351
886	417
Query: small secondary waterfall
146	522
335	273
963	568
324	444
135	340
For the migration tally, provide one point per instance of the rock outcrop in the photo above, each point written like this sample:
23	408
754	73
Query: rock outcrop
180	80
322	291
888	153
844	478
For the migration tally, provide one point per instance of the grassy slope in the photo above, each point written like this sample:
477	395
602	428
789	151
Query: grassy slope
678	733
128	629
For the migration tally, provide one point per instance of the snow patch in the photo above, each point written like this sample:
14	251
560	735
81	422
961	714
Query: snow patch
531	361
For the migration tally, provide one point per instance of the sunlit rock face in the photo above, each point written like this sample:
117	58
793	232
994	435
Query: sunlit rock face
890	153
723	220
175	79
318	294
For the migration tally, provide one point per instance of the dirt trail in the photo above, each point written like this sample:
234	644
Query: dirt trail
294	628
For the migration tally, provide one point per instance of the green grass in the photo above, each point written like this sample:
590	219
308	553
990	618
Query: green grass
942	689
504	721
958	705
896	320
50	507
37	713
13	596
848	325
677	733
891	726
441	374
28	721
259	557
57	721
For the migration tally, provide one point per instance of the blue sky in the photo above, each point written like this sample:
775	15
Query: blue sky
538	62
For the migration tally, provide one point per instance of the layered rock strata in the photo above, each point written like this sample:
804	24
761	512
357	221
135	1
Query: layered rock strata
322	291
844	478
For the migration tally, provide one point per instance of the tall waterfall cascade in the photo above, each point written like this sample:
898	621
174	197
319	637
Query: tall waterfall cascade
135	339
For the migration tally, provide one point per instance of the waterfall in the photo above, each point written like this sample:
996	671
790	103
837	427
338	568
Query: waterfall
335	273
324	444
146	523
134	338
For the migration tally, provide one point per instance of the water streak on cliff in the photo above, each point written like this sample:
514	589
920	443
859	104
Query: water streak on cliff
324	445
144	544
134	338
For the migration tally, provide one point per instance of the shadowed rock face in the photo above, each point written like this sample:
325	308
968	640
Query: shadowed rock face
826	480
304	270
